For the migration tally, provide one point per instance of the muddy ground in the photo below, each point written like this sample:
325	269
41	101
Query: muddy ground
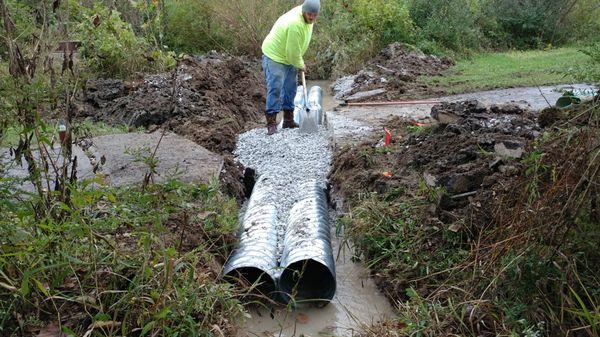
391	75
469	150
209	100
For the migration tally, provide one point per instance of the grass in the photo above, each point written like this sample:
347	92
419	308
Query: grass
510	69
122	262
525	271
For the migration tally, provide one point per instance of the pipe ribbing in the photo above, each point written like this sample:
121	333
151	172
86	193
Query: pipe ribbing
309	268
255	259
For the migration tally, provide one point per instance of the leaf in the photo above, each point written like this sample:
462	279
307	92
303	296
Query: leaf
50	330
455	228
147	328
42	288
25	285
302	318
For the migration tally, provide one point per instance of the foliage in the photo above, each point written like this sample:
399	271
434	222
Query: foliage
528	270
247	22
591	70
111	47
529	23
446	25
121	261
191	27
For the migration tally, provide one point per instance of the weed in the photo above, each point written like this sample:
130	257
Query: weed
122	256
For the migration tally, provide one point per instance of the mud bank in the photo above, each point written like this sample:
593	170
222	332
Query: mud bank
392	74
209	100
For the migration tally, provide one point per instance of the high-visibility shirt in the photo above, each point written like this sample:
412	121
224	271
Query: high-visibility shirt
288	39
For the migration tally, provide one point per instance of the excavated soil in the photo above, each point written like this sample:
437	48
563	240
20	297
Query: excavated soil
469	156
392	74
469	148
208	100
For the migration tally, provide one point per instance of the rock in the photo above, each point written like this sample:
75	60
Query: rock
509	170
343	86
444	118
508	108
495	163
430	179
359	96
509	149
465	182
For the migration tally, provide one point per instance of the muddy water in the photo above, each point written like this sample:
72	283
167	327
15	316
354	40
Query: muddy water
533	98
357	301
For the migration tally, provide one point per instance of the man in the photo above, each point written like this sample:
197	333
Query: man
283	50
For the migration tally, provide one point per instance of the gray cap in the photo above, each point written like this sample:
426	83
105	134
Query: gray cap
311	6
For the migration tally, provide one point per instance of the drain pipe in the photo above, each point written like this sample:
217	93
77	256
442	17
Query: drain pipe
299	103
315	103
254	262
307	261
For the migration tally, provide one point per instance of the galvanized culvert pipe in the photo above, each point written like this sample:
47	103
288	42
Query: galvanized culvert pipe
314	103
307	261
254	262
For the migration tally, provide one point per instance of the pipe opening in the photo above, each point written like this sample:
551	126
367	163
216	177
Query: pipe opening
307	280
262	282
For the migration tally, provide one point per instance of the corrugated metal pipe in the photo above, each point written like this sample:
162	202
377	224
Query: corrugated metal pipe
307	260
306	271
314	103
254	262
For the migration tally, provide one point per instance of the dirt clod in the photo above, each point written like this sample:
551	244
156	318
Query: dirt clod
392	74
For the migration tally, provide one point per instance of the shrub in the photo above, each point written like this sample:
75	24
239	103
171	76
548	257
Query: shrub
528	23
446	25
247	22
191	27
110	47
591	70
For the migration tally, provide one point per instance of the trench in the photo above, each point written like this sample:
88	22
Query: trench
283	163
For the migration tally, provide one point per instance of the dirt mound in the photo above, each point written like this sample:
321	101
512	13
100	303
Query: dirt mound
209	100
392	74
470	150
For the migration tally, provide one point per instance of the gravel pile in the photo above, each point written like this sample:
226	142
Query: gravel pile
289	159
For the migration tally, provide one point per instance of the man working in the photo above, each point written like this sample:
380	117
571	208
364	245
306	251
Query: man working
283	50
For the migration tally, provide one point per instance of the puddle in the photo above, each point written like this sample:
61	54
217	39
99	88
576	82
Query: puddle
357	301
528	97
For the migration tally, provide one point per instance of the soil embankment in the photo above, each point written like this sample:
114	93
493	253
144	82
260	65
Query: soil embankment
209	100
391	75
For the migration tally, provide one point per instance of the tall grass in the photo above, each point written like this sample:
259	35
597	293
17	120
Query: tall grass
123	262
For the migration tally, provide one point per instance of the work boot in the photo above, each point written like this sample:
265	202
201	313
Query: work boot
271	124
288	119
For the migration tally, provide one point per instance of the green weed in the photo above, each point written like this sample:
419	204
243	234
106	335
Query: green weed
122	261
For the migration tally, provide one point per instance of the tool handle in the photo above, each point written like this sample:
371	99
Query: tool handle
304	86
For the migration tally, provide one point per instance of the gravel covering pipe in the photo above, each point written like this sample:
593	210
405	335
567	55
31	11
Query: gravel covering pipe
307	261
255	259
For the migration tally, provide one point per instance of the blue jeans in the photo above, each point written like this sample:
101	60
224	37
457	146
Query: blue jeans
282	81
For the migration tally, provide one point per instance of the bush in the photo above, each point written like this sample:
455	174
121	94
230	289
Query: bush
591	70
446	25
191	27
528	23
246	23
110	47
